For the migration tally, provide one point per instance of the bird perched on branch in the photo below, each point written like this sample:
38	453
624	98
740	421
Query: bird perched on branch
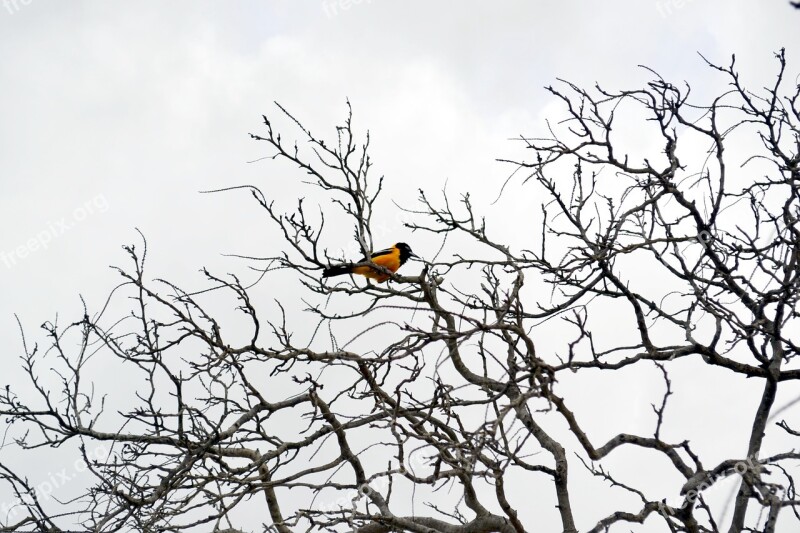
391	259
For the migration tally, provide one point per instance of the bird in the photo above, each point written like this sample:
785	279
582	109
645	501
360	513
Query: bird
391	258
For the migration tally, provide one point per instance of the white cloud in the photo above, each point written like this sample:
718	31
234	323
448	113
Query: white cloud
148	103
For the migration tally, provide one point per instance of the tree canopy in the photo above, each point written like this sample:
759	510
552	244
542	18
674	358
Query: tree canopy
441	400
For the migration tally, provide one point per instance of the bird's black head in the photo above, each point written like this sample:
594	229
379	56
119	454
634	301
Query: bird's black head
405	252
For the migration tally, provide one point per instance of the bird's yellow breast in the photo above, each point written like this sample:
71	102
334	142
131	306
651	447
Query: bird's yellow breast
389	261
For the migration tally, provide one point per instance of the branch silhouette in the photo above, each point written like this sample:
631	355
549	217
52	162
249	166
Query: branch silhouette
425	403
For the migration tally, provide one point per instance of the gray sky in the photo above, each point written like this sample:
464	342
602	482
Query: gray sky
135	108
115	115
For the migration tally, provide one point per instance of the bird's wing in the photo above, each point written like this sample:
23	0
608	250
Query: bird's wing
387	251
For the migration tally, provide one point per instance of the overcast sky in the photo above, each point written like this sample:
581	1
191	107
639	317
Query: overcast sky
113	115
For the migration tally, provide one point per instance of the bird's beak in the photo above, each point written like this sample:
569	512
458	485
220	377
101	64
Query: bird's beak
415	256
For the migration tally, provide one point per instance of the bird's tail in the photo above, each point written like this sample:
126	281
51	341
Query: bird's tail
336	270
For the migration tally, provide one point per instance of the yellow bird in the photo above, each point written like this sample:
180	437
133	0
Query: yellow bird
391	259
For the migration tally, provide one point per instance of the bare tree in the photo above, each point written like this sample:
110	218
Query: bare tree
423	404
